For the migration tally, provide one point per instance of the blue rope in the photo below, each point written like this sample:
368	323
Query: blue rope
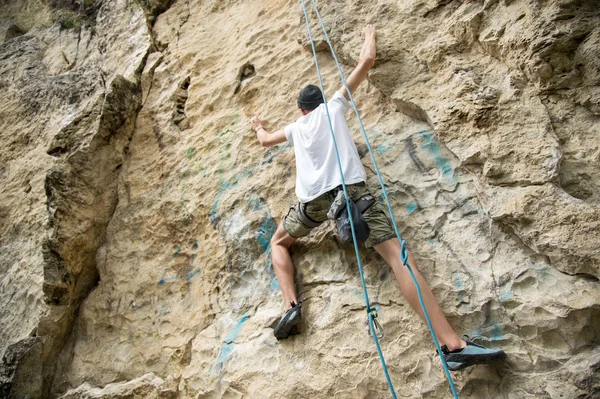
404	250
370	311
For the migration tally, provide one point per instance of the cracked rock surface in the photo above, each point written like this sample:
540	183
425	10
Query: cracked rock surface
136	206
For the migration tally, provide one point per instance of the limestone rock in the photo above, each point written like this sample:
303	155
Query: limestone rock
8	30
74	120
147	386
552	223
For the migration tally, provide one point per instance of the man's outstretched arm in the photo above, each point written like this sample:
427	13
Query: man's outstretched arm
265	138
365	62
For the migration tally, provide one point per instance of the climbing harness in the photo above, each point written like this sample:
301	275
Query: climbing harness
304	218
371	313
338	212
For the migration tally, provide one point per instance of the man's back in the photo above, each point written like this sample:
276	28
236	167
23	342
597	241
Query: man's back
317	169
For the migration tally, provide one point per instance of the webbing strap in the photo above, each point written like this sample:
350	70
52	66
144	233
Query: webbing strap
304	218
365	203
404	250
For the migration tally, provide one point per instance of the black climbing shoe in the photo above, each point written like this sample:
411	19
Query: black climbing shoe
288	321
470	355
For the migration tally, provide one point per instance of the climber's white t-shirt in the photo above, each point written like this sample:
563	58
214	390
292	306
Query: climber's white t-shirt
317	169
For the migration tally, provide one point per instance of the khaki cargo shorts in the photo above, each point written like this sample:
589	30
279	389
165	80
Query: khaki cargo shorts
377	218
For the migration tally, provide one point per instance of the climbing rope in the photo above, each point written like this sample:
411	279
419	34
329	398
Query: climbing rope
370	312
404	251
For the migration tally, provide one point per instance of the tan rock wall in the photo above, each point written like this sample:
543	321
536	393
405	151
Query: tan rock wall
70	103
128	163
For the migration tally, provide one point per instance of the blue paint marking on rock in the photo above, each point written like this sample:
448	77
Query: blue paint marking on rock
213	211
228	344
165	279
193	274
171	279
410	208
442	163
224	188
255	203
265	232
505	296
274	151
458	283
497	334
383	148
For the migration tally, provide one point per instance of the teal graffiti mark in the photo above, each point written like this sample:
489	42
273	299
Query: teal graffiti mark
373	133
265	232
383	148
187	276
505	296
193	274
460	288
497	334
442	163
190	153
164	279
224	188
410	208
458	283
274	151
255	203
213	211
263	236
228	345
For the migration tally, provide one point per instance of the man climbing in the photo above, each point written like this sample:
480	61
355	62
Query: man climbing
318	182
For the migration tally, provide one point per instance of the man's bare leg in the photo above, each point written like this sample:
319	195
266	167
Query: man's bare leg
390	251
283	265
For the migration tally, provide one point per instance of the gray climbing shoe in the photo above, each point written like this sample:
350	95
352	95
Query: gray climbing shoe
288	321
470	355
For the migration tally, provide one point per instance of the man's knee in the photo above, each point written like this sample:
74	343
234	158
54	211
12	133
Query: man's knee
282	238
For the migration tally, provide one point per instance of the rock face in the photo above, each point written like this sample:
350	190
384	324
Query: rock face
136	205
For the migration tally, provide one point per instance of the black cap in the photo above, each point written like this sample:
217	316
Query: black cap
310	98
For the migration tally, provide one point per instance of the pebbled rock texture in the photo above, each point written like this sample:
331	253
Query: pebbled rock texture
136	206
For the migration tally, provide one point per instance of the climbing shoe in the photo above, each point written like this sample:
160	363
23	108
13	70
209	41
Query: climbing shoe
289	320
470	355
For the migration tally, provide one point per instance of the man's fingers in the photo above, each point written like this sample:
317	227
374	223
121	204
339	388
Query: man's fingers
255	122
